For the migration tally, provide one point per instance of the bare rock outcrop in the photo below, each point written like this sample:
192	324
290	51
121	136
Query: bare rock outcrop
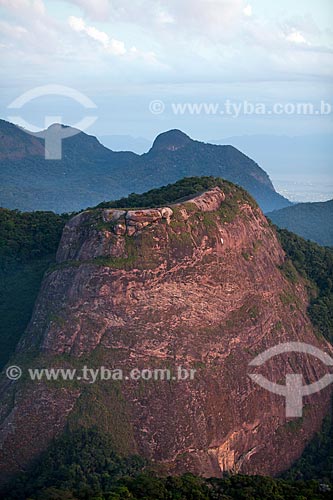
198	285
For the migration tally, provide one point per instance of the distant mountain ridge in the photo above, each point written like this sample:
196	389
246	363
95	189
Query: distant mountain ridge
89	173
312	221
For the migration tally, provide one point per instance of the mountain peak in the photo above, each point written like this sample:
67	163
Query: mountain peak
168	287
171	140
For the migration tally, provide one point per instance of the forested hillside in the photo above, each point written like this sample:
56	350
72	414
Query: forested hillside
83	466
89	173
28	242
312	221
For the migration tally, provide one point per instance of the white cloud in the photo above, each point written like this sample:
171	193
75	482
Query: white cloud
296	37
76	23
97	10
148	57
100	36
20	7
196	40
248	10
113	46
116	47
164	17
210	18
214	19
12	31
36	32
304	24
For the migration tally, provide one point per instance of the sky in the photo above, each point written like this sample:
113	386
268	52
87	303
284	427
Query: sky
135	60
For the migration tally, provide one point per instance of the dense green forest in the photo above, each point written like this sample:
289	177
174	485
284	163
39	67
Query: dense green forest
316	461
309	220
178	191
83	466
28	243
29	182
315	263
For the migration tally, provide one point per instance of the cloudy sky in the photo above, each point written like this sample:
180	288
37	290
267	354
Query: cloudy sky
123	54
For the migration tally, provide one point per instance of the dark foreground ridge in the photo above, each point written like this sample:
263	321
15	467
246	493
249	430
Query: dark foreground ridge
312	221
83	466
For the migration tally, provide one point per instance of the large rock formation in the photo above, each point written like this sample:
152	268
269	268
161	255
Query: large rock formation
200	285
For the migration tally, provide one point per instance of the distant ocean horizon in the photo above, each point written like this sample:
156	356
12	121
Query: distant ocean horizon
304	188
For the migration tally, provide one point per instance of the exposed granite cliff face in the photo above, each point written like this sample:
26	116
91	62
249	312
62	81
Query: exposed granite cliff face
199	284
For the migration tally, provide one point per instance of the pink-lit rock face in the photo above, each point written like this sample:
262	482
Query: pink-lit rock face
197	284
